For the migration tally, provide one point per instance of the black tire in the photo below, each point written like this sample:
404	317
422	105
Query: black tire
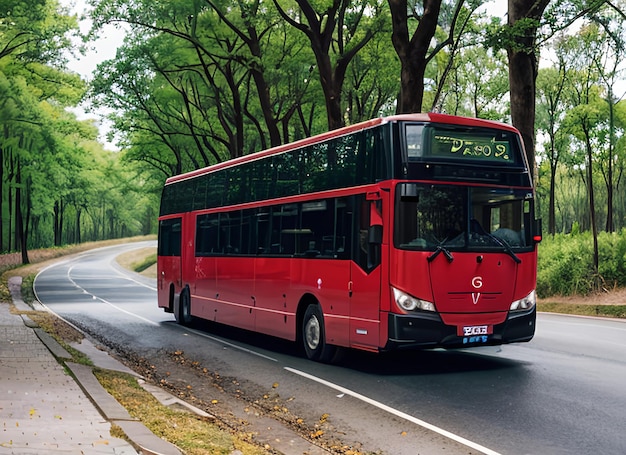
314	336
183	312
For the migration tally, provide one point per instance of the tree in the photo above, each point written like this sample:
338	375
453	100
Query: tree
342	27
250	30
520	37
524	18
477	84
551	83
34	33
610	50
413	50
589	111
216	74
461	31
620	153
46	154
371	87
35	30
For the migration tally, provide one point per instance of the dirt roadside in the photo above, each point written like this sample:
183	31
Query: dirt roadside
613	297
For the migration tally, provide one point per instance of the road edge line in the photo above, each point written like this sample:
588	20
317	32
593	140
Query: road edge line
395	412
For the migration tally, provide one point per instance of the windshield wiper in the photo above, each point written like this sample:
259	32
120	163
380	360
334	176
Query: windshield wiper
504	245
478	229
441	249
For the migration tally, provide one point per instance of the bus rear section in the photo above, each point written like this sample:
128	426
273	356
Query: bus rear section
169	262
463	271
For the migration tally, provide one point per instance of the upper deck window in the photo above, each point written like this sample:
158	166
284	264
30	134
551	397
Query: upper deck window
359	158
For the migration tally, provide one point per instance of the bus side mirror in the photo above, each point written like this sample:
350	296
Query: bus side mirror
537	231
375	235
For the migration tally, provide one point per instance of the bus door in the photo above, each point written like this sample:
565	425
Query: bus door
365	274
169	279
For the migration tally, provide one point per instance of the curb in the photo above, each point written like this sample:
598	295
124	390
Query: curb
138	434
115	413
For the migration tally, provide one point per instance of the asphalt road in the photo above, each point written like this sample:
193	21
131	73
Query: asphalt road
562	393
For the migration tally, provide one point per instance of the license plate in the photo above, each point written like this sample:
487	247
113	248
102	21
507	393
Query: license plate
473	330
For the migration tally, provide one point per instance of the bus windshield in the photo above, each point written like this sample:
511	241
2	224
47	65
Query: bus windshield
462	218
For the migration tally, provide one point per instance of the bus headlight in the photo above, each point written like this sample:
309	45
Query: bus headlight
407	302
526	303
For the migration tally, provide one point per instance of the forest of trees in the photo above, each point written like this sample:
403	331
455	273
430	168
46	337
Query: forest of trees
201	81
58	185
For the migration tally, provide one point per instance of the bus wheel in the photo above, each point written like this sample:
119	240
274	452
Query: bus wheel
314	336
183	312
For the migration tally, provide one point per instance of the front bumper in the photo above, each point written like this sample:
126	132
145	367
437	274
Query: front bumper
427	330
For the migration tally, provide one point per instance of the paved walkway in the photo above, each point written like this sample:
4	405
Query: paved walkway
44	410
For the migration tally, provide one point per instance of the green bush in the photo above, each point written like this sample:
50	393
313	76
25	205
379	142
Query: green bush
565	263
148	261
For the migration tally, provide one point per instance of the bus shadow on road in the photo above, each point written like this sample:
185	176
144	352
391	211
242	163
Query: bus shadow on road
253	340
400	362
428	362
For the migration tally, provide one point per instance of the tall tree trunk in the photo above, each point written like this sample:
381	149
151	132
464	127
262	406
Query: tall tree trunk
262	88
111	217
592	208
78	213
27	230
523	67
412	51
57	223
325	32
11	233
2	199
610	227
552	202
331	88
236	137
20	234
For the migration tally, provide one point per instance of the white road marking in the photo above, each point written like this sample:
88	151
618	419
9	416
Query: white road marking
126	275
232	345
95	297
395	412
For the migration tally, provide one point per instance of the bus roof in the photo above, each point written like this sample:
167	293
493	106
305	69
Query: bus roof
421	117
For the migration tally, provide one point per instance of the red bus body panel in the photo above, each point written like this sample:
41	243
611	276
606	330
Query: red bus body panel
365	317
468	286
275	306
262	294
168	274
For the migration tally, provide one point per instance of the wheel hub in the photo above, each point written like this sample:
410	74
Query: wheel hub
312	333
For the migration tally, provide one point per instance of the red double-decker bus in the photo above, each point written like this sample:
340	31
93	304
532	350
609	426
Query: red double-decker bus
410	231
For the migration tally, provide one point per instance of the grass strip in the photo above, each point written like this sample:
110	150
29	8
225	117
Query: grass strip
193	434
610	311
